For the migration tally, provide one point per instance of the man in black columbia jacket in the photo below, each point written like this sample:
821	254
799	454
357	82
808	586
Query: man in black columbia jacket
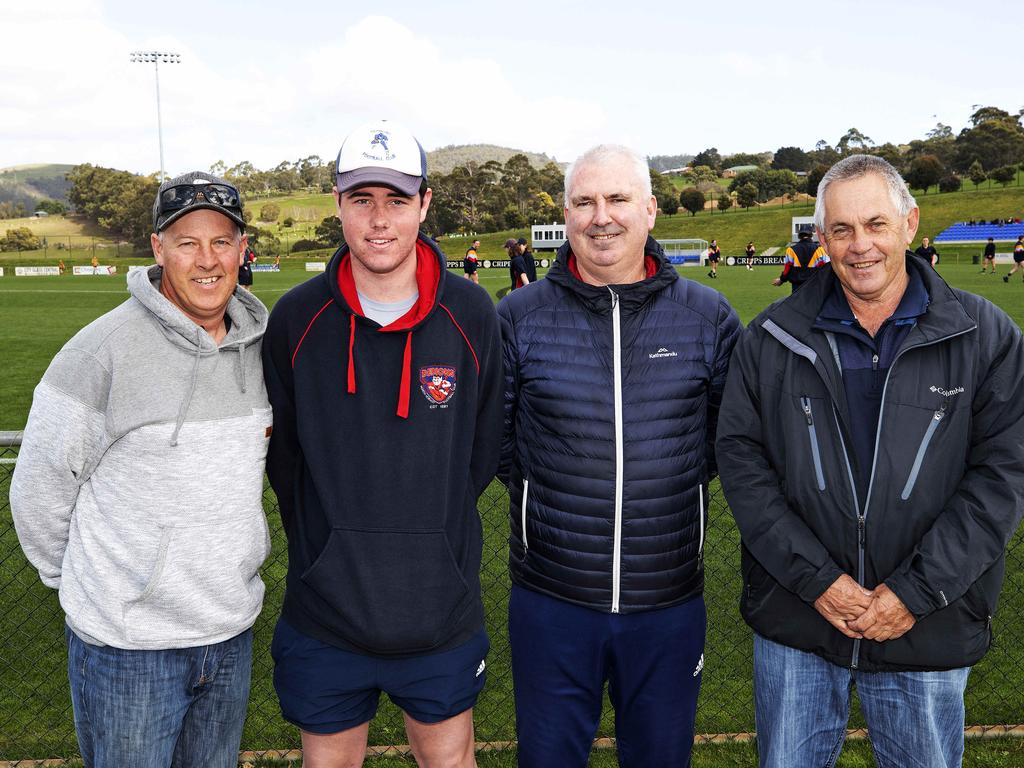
870	446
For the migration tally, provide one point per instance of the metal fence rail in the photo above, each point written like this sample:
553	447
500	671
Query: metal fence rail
35	710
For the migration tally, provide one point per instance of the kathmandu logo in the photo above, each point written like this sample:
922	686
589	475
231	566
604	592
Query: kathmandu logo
947	392
662	352
380	138
437	383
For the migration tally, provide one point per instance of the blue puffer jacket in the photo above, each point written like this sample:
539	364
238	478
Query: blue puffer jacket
611	401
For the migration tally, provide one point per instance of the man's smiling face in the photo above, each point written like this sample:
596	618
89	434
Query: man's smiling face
380	225
200	254
607	219
866	237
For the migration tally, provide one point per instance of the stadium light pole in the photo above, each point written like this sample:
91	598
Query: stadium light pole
156	58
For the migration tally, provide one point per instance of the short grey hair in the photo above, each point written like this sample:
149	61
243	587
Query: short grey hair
606	152
855	167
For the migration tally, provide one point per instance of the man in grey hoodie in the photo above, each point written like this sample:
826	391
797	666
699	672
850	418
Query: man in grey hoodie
138	495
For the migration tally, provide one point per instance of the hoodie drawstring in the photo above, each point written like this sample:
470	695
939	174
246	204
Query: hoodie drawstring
183	410
351	357
403	388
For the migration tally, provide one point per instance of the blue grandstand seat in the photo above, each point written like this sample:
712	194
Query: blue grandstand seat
979	232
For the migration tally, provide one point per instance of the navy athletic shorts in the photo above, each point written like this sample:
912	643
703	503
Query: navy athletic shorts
323	689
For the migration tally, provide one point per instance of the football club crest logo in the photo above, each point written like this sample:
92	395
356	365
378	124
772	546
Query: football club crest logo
437	383
380	138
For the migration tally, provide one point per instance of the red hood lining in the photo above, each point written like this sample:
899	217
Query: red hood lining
428	278
650	266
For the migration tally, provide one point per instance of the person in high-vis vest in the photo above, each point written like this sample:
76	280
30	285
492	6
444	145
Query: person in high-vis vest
802	258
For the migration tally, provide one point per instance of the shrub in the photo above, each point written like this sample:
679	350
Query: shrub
270	212
288	222
306	245
951	183
19	239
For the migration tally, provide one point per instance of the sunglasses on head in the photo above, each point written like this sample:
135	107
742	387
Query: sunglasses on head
183	195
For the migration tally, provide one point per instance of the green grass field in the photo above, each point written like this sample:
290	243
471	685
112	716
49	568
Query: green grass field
38	315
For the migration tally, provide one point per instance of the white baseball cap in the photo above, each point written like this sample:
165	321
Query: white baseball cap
381	152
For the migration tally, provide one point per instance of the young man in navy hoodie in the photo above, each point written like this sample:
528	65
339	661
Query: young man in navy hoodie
385	378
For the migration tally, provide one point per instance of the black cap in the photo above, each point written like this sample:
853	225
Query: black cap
163	219
521	241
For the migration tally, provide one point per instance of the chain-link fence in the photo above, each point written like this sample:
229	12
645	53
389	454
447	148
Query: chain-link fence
35	709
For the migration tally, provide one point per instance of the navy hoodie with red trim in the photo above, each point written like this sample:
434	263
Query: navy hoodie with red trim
384	438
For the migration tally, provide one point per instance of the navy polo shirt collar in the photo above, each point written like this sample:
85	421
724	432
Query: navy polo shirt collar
913	304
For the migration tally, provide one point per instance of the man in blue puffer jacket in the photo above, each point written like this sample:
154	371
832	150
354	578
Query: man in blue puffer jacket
614	371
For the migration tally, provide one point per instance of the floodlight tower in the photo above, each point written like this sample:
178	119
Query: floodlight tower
157	57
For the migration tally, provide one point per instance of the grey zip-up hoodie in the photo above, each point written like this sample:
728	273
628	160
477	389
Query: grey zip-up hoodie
139	485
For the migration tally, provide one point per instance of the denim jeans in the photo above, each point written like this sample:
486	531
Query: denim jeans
802	704
154	709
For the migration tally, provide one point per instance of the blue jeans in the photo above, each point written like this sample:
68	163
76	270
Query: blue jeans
802	704
154	709
562	654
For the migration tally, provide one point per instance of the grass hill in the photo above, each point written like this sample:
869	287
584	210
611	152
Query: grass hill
28	184
443	160
766	226
769	226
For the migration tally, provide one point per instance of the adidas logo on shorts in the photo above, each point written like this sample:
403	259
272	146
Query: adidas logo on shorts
481	668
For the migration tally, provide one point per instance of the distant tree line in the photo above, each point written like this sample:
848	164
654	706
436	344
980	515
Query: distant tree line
991	147
489	196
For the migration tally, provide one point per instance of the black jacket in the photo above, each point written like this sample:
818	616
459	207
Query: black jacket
946	490
572	535
383	440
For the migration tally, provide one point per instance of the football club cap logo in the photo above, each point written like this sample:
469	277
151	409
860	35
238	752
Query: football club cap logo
437	383
381	153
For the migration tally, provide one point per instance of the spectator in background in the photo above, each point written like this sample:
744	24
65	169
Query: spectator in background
872	554
1018	259
516	264
138	495
529	262
927	252
802	258
471	263
714	256
245	269
988	257
751	252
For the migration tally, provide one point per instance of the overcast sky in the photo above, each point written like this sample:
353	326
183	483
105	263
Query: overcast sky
555	77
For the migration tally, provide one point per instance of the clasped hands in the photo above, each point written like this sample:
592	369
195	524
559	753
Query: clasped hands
872	614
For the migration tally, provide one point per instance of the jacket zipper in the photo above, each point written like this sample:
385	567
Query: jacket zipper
617	362
819	474
921	451
860	523
862	519
700	541
526	491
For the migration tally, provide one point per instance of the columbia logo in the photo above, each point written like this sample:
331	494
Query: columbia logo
483	666
700	666
662	353
947	392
